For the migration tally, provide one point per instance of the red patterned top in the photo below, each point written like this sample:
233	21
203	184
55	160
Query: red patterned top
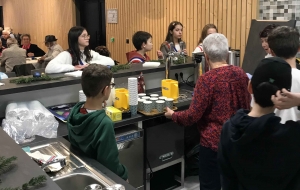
219	93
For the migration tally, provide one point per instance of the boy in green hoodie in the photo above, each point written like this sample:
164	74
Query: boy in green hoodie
90	129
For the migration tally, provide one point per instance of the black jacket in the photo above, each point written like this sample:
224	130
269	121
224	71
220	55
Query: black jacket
38	52
259	153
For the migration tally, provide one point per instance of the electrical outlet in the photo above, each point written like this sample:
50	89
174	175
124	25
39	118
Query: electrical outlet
127	41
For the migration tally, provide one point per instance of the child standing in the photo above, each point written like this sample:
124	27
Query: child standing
142	42
173	41
90	129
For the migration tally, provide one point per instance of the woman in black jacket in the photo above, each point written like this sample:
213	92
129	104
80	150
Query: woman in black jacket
32	50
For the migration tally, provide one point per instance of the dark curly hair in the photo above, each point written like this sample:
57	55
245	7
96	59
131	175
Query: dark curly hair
102	50
267	30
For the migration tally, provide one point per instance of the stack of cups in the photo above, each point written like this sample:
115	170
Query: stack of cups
82	97
133	95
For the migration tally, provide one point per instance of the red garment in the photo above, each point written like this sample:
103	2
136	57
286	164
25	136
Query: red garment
135	57
219	93
26	46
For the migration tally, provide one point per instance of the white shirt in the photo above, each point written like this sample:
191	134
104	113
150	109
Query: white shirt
198	49
268	55
292	113
63	62
177	47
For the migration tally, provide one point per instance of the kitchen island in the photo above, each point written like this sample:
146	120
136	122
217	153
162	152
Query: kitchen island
66	90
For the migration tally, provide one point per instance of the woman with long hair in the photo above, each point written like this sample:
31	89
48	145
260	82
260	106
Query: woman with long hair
173	41
78	56
207	29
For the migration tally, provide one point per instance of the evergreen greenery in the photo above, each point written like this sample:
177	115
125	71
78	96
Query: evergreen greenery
116	68
25	80
7	163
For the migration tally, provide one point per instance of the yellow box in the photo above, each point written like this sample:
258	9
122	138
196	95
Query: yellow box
170	89
114	113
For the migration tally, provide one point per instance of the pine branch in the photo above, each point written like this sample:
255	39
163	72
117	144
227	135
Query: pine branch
35	181
9	188
116	68
23	80
6	163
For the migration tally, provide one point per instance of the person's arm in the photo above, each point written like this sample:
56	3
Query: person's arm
229	179
100	59
61	63
198	49
38	52
184	48
160	55
3	58
55	53
201	100
164	49
107	150
285	99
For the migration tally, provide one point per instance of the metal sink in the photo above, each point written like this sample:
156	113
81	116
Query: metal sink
77	174
76	181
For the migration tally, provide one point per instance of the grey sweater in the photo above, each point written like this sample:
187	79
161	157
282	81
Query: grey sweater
13	56
165	48
53	52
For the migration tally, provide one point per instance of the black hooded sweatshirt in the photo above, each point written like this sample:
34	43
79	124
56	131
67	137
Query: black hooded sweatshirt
259	153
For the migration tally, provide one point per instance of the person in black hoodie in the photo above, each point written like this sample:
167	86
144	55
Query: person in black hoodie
256	151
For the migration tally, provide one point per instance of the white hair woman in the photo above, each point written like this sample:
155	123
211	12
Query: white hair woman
218	94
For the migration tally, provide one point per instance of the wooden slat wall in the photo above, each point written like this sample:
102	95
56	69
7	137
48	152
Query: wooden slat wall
40	18
232	17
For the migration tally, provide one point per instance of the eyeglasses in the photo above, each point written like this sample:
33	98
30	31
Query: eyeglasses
86	36
112	85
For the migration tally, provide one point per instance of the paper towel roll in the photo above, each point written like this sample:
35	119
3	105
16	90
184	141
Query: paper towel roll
151	64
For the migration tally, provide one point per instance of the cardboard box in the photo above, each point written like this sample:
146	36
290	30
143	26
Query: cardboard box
114	113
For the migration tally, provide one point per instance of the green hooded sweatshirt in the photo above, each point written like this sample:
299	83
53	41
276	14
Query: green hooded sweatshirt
93	133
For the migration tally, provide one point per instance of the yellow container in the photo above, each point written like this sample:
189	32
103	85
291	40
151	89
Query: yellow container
121	98
170	89
114	113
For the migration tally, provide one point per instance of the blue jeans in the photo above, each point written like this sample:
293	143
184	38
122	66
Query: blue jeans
209	175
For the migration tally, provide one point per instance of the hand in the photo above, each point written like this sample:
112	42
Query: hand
159	54
285	99
41	60
184	51
79	67
169	113
30	54
127	181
